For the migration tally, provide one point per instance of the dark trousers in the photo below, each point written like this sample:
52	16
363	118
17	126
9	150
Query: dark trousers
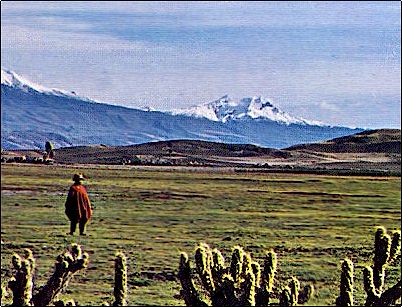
81	225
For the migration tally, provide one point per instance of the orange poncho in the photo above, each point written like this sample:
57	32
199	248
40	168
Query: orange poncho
78	206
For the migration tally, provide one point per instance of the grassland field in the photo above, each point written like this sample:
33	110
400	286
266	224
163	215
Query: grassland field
311	221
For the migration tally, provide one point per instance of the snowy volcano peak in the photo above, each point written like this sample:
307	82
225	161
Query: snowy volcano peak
262	108
14	80
225	109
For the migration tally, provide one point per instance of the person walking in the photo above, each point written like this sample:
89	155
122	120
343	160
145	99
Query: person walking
78	206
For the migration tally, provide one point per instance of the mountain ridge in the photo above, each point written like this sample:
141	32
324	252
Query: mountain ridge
33	115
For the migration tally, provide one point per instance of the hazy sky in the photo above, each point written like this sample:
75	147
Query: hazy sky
338	62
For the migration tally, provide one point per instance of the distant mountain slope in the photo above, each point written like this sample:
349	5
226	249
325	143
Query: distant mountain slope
32	114
371	141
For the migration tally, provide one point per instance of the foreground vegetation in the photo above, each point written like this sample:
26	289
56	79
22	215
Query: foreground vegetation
311	222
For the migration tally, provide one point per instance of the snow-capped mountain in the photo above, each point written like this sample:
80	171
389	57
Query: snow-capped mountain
225	109
32	114
14	80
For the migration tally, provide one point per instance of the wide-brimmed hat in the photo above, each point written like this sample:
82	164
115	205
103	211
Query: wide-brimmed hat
78	177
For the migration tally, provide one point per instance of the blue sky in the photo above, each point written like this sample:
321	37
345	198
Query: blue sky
338	62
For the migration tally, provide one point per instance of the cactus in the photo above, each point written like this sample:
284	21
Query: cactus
285	296
268	274
203	259
382	253
241	283
294	286
373	294
21	284
189	292
120	287
290	293
247	297
346	287
386	250
4	294
395	246
66	266
236	263
305	294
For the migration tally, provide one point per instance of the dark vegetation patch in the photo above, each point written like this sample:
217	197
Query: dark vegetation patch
147	195
303	193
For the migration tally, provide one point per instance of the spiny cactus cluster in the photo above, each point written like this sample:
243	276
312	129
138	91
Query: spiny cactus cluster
66	266
241	283
386	249
21	284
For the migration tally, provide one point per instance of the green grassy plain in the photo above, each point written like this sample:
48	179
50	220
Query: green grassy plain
311	221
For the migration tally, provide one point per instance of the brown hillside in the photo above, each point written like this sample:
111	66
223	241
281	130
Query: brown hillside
371	141
171	150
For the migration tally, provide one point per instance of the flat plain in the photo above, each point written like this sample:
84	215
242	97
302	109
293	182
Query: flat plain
151	214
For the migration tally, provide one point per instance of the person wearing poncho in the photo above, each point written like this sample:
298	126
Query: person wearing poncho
78	205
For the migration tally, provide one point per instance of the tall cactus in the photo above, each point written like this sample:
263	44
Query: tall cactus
346	287
236	263
386	249
247	297
120	284
382	253
189	293
240	283
203	262
268	274
395	245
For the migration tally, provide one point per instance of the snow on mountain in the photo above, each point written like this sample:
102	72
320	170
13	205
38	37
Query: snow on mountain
221	110
14	80
71	120
147	109
225	109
